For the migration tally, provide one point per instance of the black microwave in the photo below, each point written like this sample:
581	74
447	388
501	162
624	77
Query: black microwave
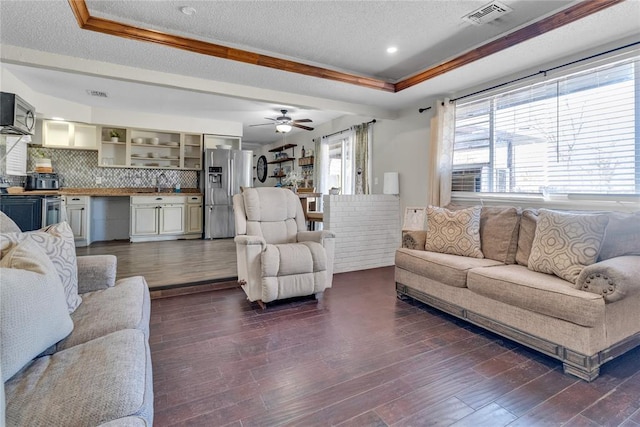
17	117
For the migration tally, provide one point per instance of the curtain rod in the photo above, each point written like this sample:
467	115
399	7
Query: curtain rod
422	110
344	130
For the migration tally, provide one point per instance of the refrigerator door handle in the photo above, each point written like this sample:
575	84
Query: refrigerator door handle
232	181
229	177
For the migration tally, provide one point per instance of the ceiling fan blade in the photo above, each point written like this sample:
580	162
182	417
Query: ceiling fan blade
303	121
301	126
262	124
270	118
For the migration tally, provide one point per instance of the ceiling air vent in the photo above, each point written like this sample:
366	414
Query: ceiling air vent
98	93
487	13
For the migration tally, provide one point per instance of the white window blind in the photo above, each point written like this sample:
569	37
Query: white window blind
575	134
16	155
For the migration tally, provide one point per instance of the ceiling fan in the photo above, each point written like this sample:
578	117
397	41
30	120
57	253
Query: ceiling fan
284	123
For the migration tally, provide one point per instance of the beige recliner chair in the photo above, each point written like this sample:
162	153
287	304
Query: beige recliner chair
277	257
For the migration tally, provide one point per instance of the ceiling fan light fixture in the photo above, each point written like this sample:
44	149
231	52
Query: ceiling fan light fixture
283	127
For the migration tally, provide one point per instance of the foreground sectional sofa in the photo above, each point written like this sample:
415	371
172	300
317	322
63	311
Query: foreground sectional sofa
564	283
74	342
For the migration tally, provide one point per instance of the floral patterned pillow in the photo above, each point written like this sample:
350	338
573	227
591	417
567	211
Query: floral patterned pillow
454	232
58	243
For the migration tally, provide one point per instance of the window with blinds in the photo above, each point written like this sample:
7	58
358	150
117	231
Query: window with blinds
575	134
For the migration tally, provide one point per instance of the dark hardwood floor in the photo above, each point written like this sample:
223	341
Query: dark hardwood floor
171	263
363	358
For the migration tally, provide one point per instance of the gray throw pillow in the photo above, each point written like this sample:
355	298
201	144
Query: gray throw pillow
33	309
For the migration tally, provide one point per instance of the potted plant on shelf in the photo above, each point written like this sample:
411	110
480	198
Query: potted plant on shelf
42	163
115	135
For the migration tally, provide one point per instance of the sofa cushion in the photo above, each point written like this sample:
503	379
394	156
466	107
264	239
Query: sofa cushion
565	243
455	232
58	243
293	269
33	314
622	236
102	380
7	225
445	268
528	223
538	292
124	306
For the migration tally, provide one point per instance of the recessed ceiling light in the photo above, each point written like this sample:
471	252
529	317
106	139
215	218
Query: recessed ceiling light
392	49
187	10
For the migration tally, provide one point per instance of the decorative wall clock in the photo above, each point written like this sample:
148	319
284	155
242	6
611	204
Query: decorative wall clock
261	169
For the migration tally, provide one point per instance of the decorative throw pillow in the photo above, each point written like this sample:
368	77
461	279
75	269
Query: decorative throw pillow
454	232
622	237
33	314
527	231
414	239
58	243
565	243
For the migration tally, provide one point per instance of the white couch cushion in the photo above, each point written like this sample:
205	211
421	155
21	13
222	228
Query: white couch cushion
86	385
123	306
33	314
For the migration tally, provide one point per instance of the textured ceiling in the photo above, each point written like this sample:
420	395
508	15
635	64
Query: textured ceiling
346	35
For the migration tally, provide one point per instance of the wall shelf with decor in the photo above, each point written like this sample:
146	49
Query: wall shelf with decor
306	166
280	157
146	148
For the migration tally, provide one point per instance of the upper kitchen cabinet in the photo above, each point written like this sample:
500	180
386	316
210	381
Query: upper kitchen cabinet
146	148
225	141
192	151
72	135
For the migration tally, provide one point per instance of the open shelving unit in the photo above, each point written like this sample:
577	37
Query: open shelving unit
146	148
278	173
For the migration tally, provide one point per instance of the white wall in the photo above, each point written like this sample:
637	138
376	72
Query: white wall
399	145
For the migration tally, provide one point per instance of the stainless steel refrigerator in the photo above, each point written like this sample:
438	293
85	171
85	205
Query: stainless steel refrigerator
225	171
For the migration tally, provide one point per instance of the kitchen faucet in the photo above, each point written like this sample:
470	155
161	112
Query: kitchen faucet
162	177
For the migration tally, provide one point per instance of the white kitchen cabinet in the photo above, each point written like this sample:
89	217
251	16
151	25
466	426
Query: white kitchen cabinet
148	148
144	220
71	135
161	217
171	219
194	215
77	209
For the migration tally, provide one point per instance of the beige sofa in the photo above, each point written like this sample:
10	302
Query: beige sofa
583	312
75	348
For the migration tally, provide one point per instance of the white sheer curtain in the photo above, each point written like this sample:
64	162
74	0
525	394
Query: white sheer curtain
441	153
321	159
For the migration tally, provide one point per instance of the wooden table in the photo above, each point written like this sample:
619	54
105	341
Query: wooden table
311	216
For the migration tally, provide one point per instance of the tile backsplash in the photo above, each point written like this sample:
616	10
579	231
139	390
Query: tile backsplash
79	168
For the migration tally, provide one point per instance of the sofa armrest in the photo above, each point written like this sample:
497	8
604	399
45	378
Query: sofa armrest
414	239
315	236
96	272
250	240
614	278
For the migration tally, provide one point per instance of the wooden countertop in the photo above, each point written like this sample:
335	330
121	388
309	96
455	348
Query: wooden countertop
108	192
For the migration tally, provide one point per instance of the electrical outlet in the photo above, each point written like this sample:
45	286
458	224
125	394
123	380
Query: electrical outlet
98	180
375	181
